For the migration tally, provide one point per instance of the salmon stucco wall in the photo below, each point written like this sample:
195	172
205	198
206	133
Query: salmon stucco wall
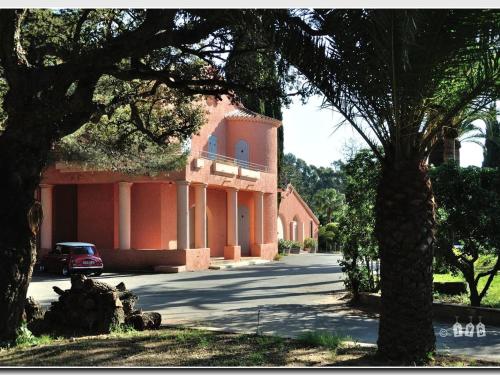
146	223
216	224
96	215
215	125
270	230
290	209
169	216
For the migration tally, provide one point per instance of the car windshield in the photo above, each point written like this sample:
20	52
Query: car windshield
83	250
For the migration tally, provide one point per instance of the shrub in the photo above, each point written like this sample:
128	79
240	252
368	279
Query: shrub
284	245
310	243
287	244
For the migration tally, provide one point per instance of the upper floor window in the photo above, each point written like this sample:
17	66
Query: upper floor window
241	151
212	146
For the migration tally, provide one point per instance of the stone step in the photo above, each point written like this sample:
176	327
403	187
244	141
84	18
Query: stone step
222	265
169	269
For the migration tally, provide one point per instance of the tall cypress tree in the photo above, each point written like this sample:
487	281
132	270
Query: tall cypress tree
245	62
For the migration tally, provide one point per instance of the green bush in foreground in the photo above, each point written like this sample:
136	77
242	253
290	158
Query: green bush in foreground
26	338
324	339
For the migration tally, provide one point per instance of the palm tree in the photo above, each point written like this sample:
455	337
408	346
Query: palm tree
489	138
328	202
398	77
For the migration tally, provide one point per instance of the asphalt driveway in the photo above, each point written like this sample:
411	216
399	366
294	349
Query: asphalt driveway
297	279
286	298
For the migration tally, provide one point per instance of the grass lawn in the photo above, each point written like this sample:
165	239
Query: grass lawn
189	347
492	298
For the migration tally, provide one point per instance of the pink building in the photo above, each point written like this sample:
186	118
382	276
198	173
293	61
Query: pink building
296	221
223	204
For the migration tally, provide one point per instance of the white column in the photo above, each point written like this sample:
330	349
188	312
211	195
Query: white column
200	216
232	217
259	217
124	194
46	229
182	215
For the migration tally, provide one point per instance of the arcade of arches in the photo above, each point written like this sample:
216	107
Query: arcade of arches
296	221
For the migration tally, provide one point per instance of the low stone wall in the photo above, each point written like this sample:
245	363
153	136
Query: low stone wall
445	312
122	260
265	251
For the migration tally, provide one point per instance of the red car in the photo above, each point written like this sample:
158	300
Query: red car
72	257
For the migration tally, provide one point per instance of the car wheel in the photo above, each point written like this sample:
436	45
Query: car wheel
65	271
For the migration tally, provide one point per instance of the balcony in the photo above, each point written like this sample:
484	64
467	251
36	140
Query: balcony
240	165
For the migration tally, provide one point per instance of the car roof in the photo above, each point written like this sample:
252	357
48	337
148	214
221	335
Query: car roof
75	244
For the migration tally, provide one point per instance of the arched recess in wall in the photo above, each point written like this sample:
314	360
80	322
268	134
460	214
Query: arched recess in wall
241	151
281	228
294	229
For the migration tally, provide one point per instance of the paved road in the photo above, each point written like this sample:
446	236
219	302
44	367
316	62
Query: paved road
286	298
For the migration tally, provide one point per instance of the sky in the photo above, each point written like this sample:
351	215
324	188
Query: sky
309	135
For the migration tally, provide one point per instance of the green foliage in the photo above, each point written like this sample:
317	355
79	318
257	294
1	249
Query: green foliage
329	205
288	244
26	338
468	239
310	243
357	226
322	339
144	133
328	237
122	329
308	179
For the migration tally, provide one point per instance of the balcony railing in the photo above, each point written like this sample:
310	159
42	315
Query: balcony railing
232	161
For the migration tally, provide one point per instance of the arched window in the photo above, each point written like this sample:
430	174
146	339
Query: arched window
241	151
212	146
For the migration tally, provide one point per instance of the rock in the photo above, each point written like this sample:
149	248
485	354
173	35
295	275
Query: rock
147	320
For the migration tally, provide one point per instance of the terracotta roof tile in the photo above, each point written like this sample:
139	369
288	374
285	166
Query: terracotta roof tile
246	114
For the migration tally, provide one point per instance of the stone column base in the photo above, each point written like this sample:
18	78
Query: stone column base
264	250
232	253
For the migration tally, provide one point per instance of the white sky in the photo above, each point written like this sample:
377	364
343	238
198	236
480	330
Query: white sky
308	135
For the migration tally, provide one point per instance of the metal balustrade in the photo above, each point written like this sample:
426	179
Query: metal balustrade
232	161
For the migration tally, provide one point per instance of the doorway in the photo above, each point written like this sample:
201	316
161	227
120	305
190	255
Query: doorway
244	229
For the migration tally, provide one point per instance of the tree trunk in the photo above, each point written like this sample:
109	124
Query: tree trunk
475	299
22	157
405	232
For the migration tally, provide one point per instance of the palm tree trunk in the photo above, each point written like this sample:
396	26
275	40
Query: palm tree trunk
405	232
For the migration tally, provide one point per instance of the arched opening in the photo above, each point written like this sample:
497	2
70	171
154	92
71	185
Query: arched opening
281	228
296	232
